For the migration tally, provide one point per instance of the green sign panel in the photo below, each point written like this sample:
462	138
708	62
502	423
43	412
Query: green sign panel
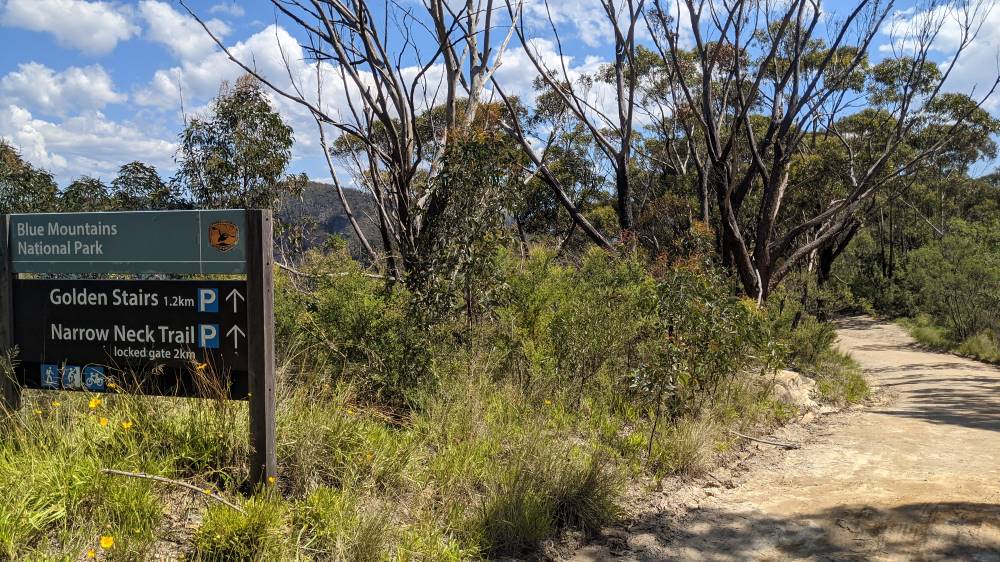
129	242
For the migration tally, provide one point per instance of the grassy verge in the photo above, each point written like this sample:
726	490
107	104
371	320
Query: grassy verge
478	434
983	346
483	470
839	379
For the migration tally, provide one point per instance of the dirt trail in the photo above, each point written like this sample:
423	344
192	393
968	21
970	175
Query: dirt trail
916	477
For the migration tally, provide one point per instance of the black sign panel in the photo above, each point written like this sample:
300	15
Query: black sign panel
184	338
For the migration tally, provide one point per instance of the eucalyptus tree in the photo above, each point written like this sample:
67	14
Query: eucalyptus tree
237	155
612	130
23	187
139	186
85	194
769	77
378	61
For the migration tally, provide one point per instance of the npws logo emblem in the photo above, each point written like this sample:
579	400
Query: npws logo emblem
223	235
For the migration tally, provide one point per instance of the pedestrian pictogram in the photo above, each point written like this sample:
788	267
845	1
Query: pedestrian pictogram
50	376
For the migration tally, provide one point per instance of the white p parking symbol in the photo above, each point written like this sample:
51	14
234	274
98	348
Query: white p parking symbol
208	300
208	336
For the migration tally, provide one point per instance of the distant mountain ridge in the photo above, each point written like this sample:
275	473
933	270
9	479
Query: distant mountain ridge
320	209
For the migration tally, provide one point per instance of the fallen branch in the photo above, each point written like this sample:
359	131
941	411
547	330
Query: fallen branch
766	441
180	483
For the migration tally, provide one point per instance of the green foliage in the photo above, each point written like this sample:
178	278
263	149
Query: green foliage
340	324
809	344
923	330
543	488
982	346
23	187
342	527
453	264
397	440
839	379
52	456
687	448
237	155
226	534
138	186
349	450
85	194
957	279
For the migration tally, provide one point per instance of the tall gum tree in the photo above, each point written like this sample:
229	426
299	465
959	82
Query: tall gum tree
770	76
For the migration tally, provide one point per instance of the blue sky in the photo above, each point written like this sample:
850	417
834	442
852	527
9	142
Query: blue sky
87	85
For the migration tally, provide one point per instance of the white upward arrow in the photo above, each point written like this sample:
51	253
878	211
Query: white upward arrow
235	295
236	332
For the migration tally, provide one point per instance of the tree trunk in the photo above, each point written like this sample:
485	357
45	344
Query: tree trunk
625	217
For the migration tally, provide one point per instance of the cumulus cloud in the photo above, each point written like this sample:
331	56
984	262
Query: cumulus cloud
86	144
94	28
179	32
977	66
92	143
587	17
42	89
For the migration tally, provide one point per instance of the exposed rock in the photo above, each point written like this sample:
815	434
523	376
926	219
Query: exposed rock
795	390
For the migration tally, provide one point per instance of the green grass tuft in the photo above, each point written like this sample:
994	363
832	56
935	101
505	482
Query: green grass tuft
226	534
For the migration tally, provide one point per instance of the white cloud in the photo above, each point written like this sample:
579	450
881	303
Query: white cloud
228	8
977	66
586	16
269	49
179	32
92	27
86	144
199	79
57	93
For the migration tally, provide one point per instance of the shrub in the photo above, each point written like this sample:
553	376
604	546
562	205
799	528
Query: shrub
839	379
923	330
982	346
226	534
336	324
548	488
337	525
957	279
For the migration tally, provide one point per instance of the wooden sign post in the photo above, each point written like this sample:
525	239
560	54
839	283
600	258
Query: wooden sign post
146	336
10	392
260	316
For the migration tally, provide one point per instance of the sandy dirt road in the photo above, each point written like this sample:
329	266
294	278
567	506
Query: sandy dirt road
914	477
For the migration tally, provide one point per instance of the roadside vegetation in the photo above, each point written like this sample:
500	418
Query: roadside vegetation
539	306
456	439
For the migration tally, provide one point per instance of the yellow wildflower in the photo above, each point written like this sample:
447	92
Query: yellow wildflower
91	553
56	403
112	385
39	412
94	403
103	422
200	367
126	425
271	480
548	402
107	541
207	492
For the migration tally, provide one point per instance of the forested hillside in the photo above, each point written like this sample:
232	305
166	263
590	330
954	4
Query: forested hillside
318	210
511	309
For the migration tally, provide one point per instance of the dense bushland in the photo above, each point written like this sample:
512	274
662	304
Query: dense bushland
955	286
479	435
